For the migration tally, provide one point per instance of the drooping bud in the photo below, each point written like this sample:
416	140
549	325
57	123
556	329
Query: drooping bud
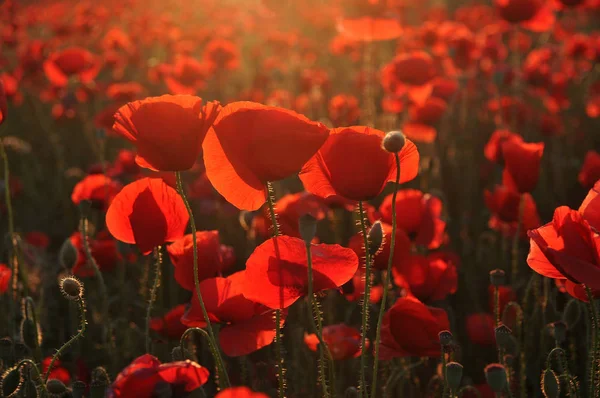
11	380
29	333
307	225
71	288
550	384
351	392
375	238
503	334
497	277
495	375
572	313
393	141
559	331
454	372
445	337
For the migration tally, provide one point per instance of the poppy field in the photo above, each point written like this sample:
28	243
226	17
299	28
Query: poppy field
299	198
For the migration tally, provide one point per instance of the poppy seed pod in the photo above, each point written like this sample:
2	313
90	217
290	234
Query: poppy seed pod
393	141
71	288
503	334
497	277
56	387
572	313
495	375
307	225
78	389
375	238
351	392
550	384
454	372
559	331
445	337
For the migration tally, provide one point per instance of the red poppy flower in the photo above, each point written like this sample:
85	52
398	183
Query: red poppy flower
3	103
74	61
429	278
124	92
493	148
444	88
423	118
168	131
104	251
352	164
506	295
276	272
521	164
251	144
247	325
222	54
212	257
369	28
590	171
504	204
535	15
410	328
344	110
412	73
170	324
96	188
5	278
125	164
188	76
240	392
37	239
342	341
567	248
147	213
380	260
146	373
590	208
58	372
480	329
420	217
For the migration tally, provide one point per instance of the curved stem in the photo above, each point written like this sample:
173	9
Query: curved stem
214	349
82	326
388	279
365	306
155	286
278	346
211	336
37	373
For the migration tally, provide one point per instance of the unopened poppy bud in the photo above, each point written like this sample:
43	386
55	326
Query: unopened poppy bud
375	238
572	313
68	254
497	277
29	333
307	225
445	337
351	392
559	331
454	371
71	288
11	379
55	386
503	334
178	355
393	141
495	375
78	389
550	384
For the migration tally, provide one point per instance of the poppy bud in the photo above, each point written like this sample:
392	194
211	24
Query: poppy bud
503	334
445	337
550	384
55	386
307	225
29	333
100	375
71	288
393	141
454	371
351	392
572	313
558	330
178	355
11	380
497	277
68	254
375	238
495	374
78	389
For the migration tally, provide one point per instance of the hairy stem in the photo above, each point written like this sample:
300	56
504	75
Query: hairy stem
155	286
365	304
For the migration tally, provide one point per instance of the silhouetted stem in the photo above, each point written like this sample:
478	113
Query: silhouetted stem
365	306
37	374
152	299
594	349
515	242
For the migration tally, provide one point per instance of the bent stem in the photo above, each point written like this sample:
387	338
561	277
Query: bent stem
388	279
318	327
365	306
515	242
211	336
155	286
593	355
278	346
82	326
214	349
37	374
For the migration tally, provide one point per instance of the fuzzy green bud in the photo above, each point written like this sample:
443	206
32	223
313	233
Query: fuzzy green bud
495	375
393	141
454	372
375	238
307	225
550	384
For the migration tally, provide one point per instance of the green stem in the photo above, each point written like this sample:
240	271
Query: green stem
213	348
388	280
365	306
516	240
496	306
82	327
594	350
211	336
30	313
445	374
155	286
278	346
